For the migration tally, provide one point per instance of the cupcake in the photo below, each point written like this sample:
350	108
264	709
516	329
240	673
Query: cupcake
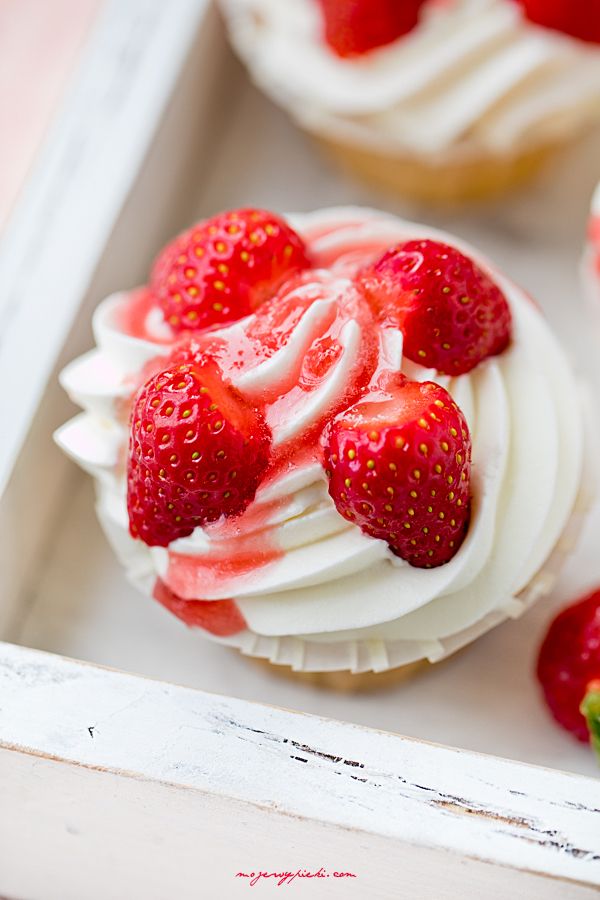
439	100
339	442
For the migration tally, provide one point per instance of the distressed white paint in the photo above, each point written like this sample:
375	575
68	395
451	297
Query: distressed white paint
101	836
89	752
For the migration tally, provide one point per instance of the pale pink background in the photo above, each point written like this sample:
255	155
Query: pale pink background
40	43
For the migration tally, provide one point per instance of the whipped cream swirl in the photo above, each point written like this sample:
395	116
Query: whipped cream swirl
315	592
474	77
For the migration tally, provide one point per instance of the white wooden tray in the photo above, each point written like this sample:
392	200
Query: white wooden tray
119	786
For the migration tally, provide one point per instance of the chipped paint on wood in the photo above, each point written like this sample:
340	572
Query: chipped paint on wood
317	770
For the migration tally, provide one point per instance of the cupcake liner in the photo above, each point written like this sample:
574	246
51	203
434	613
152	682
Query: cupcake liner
447	183
347	682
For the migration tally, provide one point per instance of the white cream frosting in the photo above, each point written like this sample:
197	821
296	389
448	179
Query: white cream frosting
332	597
473	77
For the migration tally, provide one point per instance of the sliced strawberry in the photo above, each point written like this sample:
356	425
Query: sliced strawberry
219	617
579	18
569	664
222	269
399	467
450	311
197	451
353	27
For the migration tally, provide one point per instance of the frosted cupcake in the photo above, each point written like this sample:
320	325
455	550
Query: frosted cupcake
343	443
440	100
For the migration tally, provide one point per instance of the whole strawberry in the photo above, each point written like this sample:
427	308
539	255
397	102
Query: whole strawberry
450	311
197	451
353	27
399	467
579	18
568	668
222	269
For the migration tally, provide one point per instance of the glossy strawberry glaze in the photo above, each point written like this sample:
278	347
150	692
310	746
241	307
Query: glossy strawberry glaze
234	554
190	575
221	617
132	317
242	545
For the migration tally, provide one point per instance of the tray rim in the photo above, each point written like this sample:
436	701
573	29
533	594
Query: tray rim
479	807
89	160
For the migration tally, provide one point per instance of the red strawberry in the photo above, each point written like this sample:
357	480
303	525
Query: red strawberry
569	668
579	18
222	269
450	311
399	467
197	451
219	617
353	27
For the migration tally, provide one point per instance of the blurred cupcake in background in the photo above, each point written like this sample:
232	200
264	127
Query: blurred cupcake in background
438	100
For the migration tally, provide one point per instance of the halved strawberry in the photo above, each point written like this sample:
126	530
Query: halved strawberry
450	311
353	27
399	467
579	18
197	452
224	268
